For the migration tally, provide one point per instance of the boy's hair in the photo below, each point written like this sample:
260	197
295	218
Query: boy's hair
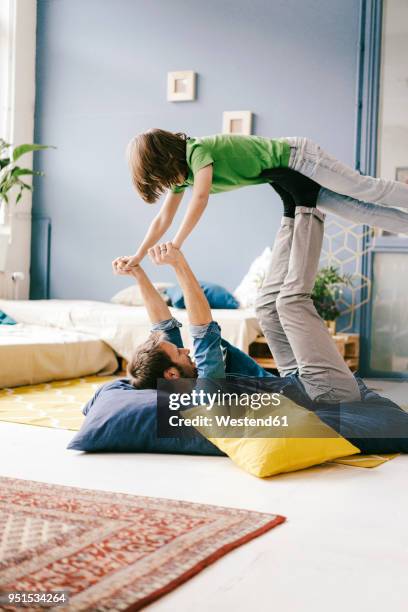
156	159
149	363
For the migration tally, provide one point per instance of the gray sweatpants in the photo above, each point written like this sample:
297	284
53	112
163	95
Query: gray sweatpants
296	334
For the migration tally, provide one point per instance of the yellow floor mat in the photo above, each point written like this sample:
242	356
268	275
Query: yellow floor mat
59	404
365	461
55	404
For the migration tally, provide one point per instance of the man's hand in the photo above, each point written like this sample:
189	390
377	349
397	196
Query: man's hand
197	306
127	261
121	266
166	253
156	307
133	261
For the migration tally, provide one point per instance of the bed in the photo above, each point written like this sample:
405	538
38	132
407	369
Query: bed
31	354
122	327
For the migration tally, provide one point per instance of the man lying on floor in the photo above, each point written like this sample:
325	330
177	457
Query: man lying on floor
122	414
313	373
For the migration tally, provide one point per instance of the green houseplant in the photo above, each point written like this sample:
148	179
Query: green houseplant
11	174
327	289
12	177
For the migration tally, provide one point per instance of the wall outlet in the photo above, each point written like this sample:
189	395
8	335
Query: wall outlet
4	246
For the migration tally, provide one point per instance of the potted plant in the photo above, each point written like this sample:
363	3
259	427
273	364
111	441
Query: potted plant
11	178
327	289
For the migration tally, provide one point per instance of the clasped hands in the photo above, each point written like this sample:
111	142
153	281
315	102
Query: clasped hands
161	254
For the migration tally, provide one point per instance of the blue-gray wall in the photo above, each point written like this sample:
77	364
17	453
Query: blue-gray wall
101	78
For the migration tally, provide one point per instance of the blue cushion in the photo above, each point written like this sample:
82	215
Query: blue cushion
120	418
217	296
375	425
5	319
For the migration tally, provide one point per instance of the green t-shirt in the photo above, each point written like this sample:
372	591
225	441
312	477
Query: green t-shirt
237	160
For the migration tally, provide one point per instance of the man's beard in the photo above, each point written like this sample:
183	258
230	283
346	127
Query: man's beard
188	373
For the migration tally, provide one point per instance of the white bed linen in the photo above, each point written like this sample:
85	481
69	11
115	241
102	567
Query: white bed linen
32	354
123	327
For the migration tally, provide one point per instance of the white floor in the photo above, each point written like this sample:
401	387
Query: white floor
344	545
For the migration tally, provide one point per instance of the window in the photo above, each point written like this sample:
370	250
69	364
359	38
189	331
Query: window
6	63
6	59
17	93
393	119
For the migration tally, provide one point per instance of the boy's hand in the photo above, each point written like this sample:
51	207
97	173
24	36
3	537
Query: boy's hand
129	262
121	266
165	253
133	261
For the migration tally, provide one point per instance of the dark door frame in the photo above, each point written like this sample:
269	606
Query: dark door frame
367	138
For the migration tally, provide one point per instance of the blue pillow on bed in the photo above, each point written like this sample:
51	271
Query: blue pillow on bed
5	319
217	296
120	418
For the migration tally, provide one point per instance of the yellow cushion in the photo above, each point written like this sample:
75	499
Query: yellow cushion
264	457
305	442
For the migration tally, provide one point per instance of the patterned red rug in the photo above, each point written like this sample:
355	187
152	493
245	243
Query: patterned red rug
111	551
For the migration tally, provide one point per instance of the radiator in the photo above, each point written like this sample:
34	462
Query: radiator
13	282
9	285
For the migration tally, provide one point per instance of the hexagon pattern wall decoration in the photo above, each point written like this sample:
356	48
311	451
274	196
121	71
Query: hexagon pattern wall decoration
344	245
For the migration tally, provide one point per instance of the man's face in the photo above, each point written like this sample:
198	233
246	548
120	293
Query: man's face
181	358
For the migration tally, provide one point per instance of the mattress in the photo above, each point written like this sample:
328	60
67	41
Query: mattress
31	354
123	327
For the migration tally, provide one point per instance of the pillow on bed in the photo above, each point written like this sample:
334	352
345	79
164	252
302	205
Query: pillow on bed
217	296
311	441
5	319
248	288
120	418
131	296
